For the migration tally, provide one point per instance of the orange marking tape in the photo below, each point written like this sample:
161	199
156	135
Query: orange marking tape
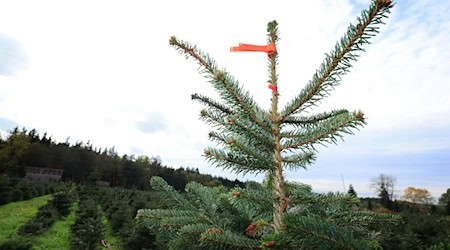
269	48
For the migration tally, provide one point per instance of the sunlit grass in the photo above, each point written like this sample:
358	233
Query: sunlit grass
15	214
113	240
58	237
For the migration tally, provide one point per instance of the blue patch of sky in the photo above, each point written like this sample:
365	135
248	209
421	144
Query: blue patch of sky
7	124
431	14
136	150
154	122
425	13
11	56
423	169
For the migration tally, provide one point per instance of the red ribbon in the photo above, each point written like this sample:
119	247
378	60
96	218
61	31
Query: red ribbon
269	48
273	88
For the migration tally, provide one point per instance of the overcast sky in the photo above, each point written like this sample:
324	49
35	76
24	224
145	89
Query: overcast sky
104	72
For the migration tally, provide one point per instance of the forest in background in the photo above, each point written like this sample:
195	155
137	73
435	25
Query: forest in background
84	163
424	225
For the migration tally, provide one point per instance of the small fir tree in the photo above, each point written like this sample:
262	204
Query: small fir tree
369	204
62	202
447	207
87	230
277	214
5	190
351	191
384	198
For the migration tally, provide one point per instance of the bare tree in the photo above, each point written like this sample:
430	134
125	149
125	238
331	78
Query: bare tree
384	183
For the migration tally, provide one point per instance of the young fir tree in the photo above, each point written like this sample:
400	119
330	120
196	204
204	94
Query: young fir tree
351	191
277	214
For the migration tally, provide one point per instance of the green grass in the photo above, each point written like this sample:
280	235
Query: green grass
15	214
58	237
113	240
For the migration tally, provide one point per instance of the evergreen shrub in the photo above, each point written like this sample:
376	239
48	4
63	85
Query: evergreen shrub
43	220
16	243
87	230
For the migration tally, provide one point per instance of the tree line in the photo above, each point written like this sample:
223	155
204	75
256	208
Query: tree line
384	186
424	224
84	163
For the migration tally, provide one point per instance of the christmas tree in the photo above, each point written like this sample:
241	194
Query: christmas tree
277	214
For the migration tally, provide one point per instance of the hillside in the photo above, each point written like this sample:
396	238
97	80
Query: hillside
84	163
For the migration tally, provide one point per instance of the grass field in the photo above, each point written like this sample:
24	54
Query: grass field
108	235
15	214
58	237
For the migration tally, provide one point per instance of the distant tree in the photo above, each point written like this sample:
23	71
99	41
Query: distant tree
369	204
37	155
11	152
5	190
46	141
444	200
395	206
351	191
385	199
383	184
417	195
445	197
34	136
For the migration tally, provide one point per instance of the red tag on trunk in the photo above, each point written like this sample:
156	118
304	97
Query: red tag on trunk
273	88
